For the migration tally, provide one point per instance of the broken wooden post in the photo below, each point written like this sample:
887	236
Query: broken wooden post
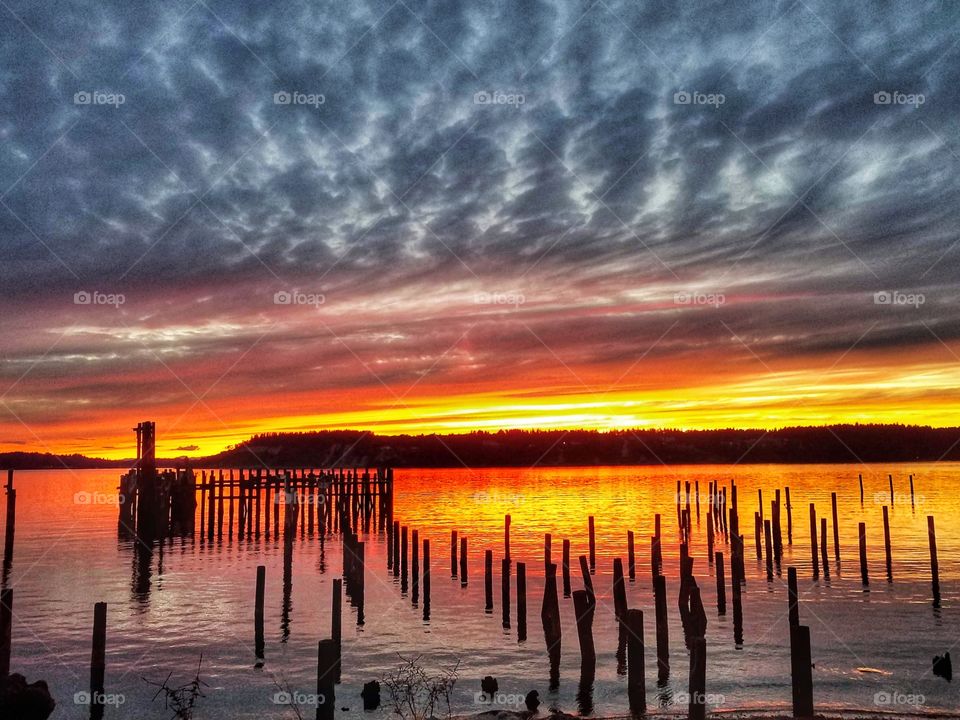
631	557
426	579
636	675
98	660
585	573
861	488
550	618
813	541
793	597
396	546
801	671
415	565
934	563
327	665
488	580
521	601
593	543
583	607
697	681
258	613
757	533
886	543
6	628
721	584
453	553
836	530
864	575
547	550
619	590
505	591
566	568
823	548
506	537
663	633
463	561
769	547
404	548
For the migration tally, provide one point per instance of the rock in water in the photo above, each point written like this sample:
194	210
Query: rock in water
489	686
371	695
533	700
942	667
25	702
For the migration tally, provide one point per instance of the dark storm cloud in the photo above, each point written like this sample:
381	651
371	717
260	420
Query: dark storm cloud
580	173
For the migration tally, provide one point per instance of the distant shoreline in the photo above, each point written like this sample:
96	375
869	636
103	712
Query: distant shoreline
836	444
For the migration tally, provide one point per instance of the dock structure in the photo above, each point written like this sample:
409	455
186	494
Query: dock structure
158	503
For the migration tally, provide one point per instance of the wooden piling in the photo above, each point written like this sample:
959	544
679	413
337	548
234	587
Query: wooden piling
793	597
336	622
757	532
415	565
488	579
934	563
892	501
327	664
823	548
426	579
721	584
836	530
258	612
789	515
463	561
860	476
396	547
769	547
550	618
547	550
801	671
636	674
565	567
98	659
6	631
521	601
11	521
583	608
593	543
404	548
864	575
663	633
506	537
619	590
886	543
453	553
505	591
585	574
631	557
911	491
813	541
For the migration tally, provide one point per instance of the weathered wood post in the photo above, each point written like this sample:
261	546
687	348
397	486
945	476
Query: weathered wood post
6	631
463	561
98	660
757	534
892	500
769	547
426	579
886	543
565	565
860	476
258	613
911	491
583	608
823	548
934	563
631	557
864	575
336	624
488	580
404	551
505	591
506	537
587	579
550	617
11	520
453	553
521	601
836	530
619	590
415	565
663	633
327	664
636	673
801	670
396	547
697	681
789	515
593	543
813	541
721	585
793	597
775	526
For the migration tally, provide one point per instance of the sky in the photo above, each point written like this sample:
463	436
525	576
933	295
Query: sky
237	217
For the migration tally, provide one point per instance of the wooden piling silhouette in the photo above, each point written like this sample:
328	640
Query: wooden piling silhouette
813	541
453	553
886	543
911	492
258	613
521	601
593	543
585	574
631	557
6	631
860	476
506	536
336	625
636	673
721	584
547	550
327	664
11	521
463	561
801	665
663	632
789	516
934	563
583	606
488	580
836	530
505	591
758	533
550	618
565	565
769	548
426	579
98	660
793	597
864	574
619	590
415	565
404	550
892	501
823	548
697	681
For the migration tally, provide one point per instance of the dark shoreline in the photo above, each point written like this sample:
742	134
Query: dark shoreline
836	444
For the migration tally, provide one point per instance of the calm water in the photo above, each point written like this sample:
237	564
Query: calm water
193	596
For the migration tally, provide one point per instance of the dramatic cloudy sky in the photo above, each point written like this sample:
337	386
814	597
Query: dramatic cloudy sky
483	214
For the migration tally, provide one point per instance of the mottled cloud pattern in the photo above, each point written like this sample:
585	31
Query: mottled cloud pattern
426	215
